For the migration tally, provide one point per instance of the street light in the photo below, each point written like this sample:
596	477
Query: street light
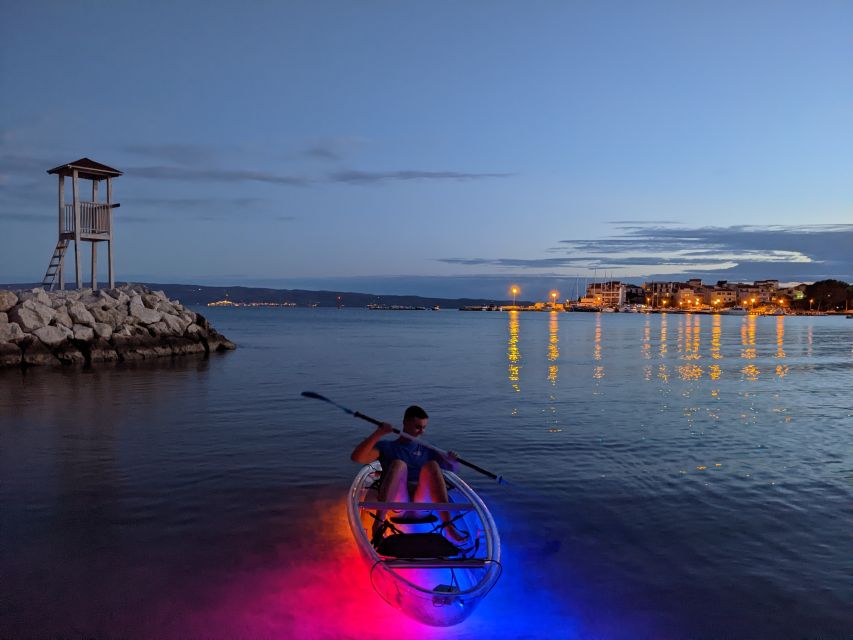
554	295
514	292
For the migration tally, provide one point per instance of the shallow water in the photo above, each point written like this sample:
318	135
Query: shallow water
681	476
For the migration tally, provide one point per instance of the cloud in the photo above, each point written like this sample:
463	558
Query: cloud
186	154
349	176
27	217
369	177
536	263
322	152
195	203
797	252
643	223
215	175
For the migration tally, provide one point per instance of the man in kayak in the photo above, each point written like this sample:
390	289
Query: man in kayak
410	472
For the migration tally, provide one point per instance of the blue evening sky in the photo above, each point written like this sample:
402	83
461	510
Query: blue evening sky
443	148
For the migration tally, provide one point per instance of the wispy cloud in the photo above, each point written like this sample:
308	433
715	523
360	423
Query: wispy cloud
195	203
321	152
350	176
185	154
370	177
743	251
215	175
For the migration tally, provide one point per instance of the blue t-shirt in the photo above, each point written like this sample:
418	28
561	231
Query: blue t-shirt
413	454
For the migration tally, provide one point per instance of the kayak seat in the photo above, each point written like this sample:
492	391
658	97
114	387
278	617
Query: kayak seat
423	519
417	545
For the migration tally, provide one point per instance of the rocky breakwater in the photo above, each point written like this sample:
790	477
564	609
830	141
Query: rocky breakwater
87	327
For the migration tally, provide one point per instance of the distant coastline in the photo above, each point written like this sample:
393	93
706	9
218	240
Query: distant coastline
193	294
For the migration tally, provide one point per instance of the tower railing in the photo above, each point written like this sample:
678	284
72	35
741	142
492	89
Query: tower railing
94	217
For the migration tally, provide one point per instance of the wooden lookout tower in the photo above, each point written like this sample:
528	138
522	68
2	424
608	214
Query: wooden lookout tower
83	221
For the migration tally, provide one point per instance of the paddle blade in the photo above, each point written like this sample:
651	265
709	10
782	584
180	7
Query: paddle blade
315	395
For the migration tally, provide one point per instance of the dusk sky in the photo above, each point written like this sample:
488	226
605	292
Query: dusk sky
436	148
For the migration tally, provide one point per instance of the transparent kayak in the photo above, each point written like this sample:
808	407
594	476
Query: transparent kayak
414	567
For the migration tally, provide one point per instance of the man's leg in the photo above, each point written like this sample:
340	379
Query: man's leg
431	488
392	489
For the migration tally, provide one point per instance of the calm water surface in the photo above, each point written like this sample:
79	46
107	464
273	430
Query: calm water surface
685	476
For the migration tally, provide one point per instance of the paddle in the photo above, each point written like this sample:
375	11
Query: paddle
442	452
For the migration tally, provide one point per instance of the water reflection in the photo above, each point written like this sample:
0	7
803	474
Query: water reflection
553	347
747	333
598	371
715	370
513	353
781	368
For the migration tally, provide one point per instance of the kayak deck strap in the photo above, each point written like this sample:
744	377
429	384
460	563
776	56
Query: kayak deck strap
417	506
404	563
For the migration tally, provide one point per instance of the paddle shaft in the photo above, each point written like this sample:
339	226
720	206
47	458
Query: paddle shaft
378	423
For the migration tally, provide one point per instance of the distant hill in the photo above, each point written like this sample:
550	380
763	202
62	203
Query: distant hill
201	295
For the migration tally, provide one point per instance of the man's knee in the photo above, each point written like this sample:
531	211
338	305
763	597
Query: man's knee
397	466
431	468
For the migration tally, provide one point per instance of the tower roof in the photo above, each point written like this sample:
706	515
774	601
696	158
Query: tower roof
87	169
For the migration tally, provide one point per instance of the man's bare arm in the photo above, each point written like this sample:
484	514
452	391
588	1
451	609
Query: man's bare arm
366	452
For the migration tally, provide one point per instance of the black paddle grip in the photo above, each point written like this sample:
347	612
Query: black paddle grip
359	414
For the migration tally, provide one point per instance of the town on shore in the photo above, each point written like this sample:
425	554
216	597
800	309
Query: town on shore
764	297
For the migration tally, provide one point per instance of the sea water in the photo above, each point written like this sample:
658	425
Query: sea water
674	476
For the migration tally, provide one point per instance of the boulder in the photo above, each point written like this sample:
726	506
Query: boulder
38	355
10	332
83	332
31	315
150	300
80	314
36	295
184	346
10	354
53	336
102	351
217	342
158	329
120	296
143	314
103	330
7	300
105	300
63	318
4	317
195	332
70	354
166	307
176	325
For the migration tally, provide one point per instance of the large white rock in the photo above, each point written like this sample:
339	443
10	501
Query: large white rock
103	330
106	300
80	314
175	324
143	314
53	336
83	332
63	318
31	315
10	331
37	295
7	300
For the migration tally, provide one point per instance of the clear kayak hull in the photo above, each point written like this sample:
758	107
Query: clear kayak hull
435	590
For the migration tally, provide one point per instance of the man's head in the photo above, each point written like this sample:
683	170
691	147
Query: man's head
415	420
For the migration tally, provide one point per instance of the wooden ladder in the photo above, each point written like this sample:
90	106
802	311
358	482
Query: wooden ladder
55	264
